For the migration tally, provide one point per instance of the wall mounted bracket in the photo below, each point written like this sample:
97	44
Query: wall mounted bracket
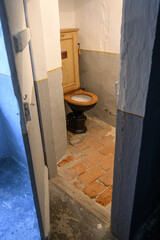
21	40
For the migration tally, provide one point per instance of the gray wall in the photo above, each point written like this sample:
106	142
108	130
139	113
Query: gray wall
128	143
98	73
58	113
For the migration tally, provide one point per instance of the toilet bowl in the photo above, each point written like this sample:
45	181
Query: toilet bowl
79	101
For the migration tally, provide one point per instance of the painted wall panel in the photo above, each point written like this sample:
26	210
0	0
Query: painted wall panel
98	74
128	143
138	35
10	130
10	119
67	13
147	184
99	23
34	22
58	113
51	31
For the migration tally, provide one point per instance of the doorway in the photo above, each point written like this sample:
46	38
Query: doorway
89	164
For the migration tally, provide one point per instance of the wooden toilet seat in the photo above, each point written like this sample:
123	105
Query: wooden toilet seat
67	98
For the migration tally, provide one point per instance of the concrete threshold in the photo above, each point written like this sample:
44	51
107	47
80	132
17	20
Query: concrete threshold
103	213
75	217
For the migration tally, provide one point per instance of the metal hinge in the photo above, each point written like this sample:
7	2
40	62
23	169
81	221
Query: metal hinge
27	111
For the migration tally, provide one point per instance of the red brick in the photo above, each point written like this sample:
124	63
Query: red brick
95	146
90	175
79	185
94	189
93	138
93	130
107	162
65	161
88	151
105	131
107	178
92	159
107	140
78	156
105	197
108	150
71	149
74	171
81	146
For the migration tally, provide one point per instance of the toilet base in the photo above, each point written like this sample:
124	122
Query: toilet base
76	122
70	129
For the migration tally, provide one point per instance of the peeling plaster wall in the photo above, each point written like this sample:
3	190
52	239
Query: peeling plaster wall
138	37
67	13
51	31
136	47
99	24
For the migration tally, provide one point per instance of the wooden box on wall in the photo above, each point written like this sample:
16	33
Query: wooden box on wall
70	65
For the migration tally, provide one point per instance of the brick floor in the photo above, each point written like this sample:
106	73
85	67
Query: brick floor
90	175
65	161
107	162
90	160
94	189
105	197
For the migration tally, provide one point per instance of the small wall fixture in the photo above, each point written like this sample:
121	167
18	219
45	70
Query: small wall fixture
64	54
21	39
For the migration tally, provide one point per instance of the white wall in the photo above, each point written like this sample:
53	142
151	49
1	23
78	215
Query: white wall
67	13
99	23
51	31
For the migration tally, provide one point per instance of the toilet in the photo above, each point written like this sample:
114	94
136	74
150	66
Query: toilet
79	101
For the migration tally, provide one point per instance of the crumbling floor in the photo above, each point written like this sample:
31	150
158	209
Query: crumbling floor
81	194
71	221
89	164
